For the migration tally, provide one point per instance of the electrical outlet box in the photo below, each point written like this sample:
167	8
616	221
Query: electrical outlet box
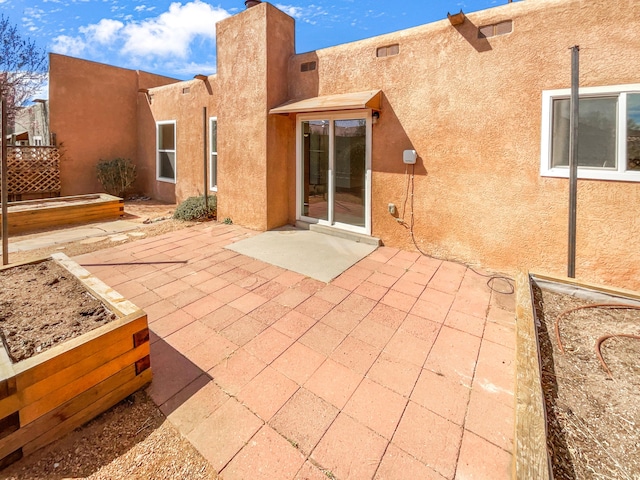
409	157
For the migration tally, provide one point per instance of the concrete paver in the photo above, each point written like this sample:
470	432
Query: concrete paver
401	367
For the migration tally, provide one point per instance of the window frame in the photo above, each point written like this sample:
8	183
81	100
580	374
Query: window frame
212	187
593	173
174	151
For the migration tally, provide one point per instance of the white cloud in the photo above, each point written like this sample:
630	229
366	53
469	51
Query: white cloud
308	14
104	32
67	45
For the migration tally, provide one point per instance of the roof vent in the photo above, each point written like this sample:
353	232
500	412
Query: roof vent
251	3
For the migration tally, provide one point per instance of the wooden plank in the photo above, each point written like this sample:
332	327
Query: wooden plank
30	412
91	411
530	446
621	292
67	410
73	350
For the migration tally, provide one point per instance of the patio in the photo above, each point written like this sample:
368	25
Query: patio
402	367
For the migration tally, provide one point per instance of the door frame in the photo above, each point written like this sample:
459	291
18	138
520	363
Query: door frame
332	116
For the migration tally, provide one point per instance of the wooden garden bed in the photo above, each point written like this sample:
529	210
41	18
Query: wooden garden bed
576	380
53	392
52	212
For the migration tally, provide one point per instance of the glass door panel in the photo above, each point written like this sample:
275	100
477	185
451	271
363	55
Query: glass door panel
315	169
350	167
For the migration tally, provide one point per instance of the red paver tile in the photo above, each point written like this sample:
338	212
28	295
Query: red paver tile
304	419
408	348
221	318
184	298
271	272
298	362
248	302
386	315
235	275
408	287
196	278
495	372
255	266
437	297
435	312
373	333
358	272
251	282
349	450
415	277
212	285
291	298
503	301
146	299
383	254
288	278
393	270
294	324
243	330
334	382
482	460
446	397
471	305
490	419
192	405
371	290
189	336
465	322
169	289
382	279
407	255
341	320
448	277
229	293
265	457
376	407
235	372
454	354
332	293
322	338
156	280
400	262
270	289
267	392
202	307
395	374
211	351
399	465
427	266
315	307
132	288
356	304
182	271
501	334
171	372
159	309
421	327
268	345
222	435
369	264
310	285
502	316
310	472
270	312
347	282
430	438
398	300
171	323
355	354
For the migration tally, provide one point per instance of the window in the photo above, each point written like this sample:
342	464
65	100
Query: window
388	51
608	133
307	66
166	158
496	29
213	149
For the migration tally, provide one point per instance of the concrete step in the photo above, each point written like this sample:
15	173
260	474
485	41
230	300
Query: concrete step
336	232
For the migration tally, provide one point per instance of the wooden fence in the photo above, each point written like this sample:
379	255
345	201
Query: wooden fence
33	172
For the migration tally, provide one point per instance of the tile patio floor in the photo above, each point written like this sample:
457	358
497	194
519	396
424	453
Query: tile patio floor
401	368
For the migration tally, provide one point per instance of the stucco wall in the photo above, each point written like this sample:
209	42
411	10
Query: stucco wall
472	110
94	114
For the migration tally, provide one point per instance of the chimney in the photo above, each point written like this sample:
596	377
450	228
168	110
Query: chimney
251	3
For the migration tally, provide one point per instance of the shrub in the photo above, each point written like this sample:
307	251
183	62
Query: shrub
117	175
193	208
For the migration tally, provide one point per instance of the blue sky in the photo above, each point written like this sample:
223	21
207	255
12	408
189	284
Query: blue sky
177	39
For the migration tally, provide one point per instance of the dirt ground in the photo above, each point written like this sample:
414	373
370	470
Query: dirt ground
132	440
593	418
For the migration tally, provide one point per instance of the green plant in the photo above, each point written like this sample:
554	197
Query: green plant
228	221
193	208
117	175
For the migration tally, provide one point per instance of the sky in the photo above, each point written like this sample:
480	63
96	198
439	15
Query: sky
177	39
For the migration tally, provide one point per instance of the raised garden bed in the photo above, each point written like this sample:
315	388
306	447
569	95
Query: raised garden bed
33	215
60	383
578	373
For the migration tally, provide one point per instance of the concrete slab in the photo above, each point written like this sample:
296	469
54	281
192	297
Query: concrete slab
312	254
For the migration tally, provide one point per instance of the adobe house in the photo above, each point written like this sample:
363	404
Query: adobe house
327	137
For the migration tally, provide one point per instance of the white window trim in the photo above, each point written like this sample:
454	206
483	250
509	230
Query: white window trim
213	188
175	153
620	174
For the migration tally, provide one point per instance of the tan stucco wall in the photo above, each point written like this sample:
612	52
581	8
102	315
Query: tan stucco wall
472	110
94	114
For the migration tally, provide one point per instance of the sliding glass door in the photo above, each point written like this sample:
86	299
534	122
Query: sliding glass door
334	158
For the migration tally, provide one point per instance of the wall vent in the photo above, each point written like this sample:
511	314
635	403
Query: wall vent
495	29
307	66
388	50
186	90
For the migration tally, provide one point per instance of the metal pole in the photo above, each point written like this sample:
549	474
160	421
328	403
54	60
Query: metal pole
205	155
573	158
3	186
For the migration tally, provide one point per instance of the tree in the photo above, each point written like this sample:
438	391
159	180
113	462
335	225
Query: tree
23	66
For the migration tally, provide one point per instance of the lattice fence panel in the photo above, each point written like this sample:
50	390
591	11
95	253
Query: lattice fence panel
33	170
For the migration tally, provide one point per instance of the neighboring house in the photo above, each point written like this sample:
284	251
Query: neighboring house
31	126
321	136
